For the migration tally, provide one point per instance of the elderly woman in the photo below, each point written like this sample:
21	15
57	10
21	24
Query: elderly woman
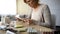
40	13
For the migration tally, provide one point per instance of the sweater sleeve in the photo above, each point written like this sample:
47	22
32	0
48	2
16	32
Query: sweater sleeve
47	16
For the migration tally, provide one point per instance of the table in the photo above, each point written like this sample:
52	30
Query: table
37	27
43	30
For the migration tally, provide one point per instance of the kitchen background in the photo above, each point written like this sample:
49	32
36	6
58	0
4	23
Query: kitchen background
13	7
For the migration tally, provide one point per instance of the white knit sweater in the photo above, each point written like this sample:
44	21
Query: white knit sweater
37	15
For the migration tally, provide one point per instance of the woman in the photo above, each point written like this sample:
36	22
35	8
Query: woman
40	13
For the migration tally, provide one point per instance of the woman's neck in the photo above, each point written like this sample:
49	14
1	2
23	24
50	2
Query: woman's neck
36	5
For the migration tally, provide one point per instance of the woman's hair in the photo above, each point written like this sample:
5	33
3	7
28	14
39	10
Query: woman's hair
36	1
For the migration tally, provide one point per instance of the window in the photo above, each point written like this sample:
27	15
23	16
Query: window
7	7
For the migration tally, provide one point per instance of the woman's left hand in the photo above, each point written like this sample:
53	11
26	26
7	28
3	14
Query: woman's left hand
29	21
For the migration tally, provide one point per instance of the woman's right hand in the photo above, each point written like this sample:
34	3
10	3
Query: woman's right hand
29	21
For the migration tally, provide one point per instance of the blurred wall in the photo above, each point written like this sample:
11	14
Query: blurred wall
22	8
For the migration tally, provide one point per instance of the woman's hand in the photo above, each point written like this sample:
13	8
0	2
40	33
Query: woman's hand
29	21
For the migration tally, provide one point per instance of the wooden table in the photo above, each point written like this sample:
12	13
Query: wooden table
38	28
